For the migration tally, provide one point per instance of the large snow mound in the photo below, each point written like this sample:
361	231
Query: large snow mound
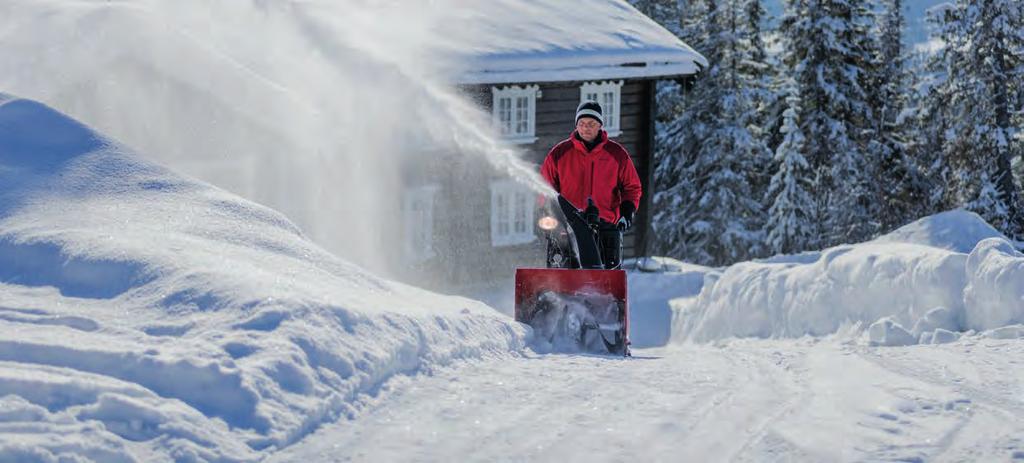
925	282
957	230
145	316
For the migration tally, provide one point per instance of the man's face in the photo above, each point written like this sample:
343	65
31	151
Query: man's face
588	128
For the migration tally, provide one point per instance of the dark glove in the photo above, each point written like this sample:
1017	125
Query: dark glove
591	214
626	211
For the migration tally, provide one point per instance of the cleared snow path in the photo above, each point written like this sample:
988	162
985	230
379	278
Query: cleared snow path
737	401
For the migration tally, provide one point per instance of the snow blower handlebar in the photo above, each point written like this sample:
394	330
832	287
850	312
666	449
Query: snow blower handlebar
582	228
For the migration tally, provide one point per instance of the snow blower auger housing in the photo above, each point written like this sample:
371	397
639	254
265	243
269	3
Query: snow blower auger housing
579	301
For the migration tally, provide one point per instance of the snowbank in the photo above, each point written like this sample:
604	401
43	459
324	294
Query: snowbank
653	282
955	230
147	316
995	286
922	283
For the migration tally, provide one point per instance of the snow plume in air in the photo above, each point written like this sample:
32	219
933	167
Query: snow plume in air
319	109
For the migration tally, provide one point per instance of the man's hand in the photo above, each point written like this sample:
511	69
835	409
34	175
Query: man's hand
591	214
626	211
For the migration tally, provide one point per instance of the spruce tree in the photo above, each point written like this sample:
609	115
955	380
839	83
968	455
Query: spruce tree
758	76
903	192
828	59
982	61
710	215
791	222
674	131
926	129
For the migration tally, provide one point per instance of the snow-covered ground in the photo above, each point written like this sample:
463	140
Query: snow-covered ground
145	316
786	359
745	400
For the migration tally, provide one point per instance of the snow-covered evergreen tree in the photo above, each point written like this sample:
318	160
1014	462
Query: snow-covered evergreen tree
756	69
667	13
791	221
759	74
716	218
672	116
988	202
828	57
902	190
983	66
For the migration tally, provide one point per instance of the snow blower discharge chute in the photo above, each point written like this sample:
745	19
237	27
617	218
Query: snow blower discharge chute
579	301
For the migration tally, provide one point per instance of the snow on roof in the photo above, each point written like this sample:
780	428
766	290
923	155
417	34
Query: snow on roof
505	41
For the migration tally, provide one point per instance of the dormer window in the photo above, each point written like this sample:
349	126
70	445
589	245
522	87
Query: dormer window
609	95
515	110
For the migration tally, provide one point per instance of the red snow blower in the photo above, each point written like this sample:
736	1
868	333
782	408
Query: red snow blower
579	301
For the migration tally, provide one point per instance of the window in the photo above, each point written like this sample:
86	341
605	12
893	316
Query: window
515	110
418	209
609	96
511	213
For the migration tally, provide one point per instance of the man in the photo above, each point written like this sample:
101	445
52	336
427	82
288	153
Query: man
590	166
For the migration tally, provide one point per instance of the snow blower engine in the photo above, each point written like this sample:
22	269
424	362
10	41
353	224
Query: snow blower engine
579	301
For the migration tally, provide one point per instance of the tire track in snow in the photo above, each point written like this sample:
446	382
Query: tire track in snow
775	442
663	405
740	400
771	389
963	437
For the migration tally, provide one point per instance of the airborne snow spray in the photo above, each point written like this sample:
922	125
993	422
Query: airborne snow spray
312	108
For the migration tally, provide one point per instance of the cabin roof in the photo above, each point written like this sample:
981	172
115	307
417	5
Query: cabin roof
520	41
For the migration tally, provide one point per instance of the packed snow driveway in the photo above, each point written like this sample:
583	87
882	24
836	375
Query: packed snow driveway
737	401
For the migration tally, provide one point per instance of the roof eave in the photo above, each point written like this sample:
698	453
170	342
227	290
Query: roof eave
668	70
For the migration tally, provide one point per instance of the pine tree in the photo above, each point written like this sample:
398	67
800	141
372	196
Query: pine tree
710	215
828	59
791	223
926	129
674	132
755	66
988	202
982	63
758	75
667	13
902	190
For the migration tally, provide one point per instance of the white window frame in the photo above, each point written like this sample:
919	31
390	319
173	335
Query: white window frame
609	96
521	124
512	213
419	223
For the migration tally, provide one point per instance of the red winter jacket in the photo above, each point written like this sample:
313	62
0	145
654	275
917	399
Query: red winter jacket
605	173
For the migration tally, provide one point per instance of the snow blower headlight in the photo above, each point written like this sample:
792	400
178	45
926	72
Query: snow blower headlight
547	223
